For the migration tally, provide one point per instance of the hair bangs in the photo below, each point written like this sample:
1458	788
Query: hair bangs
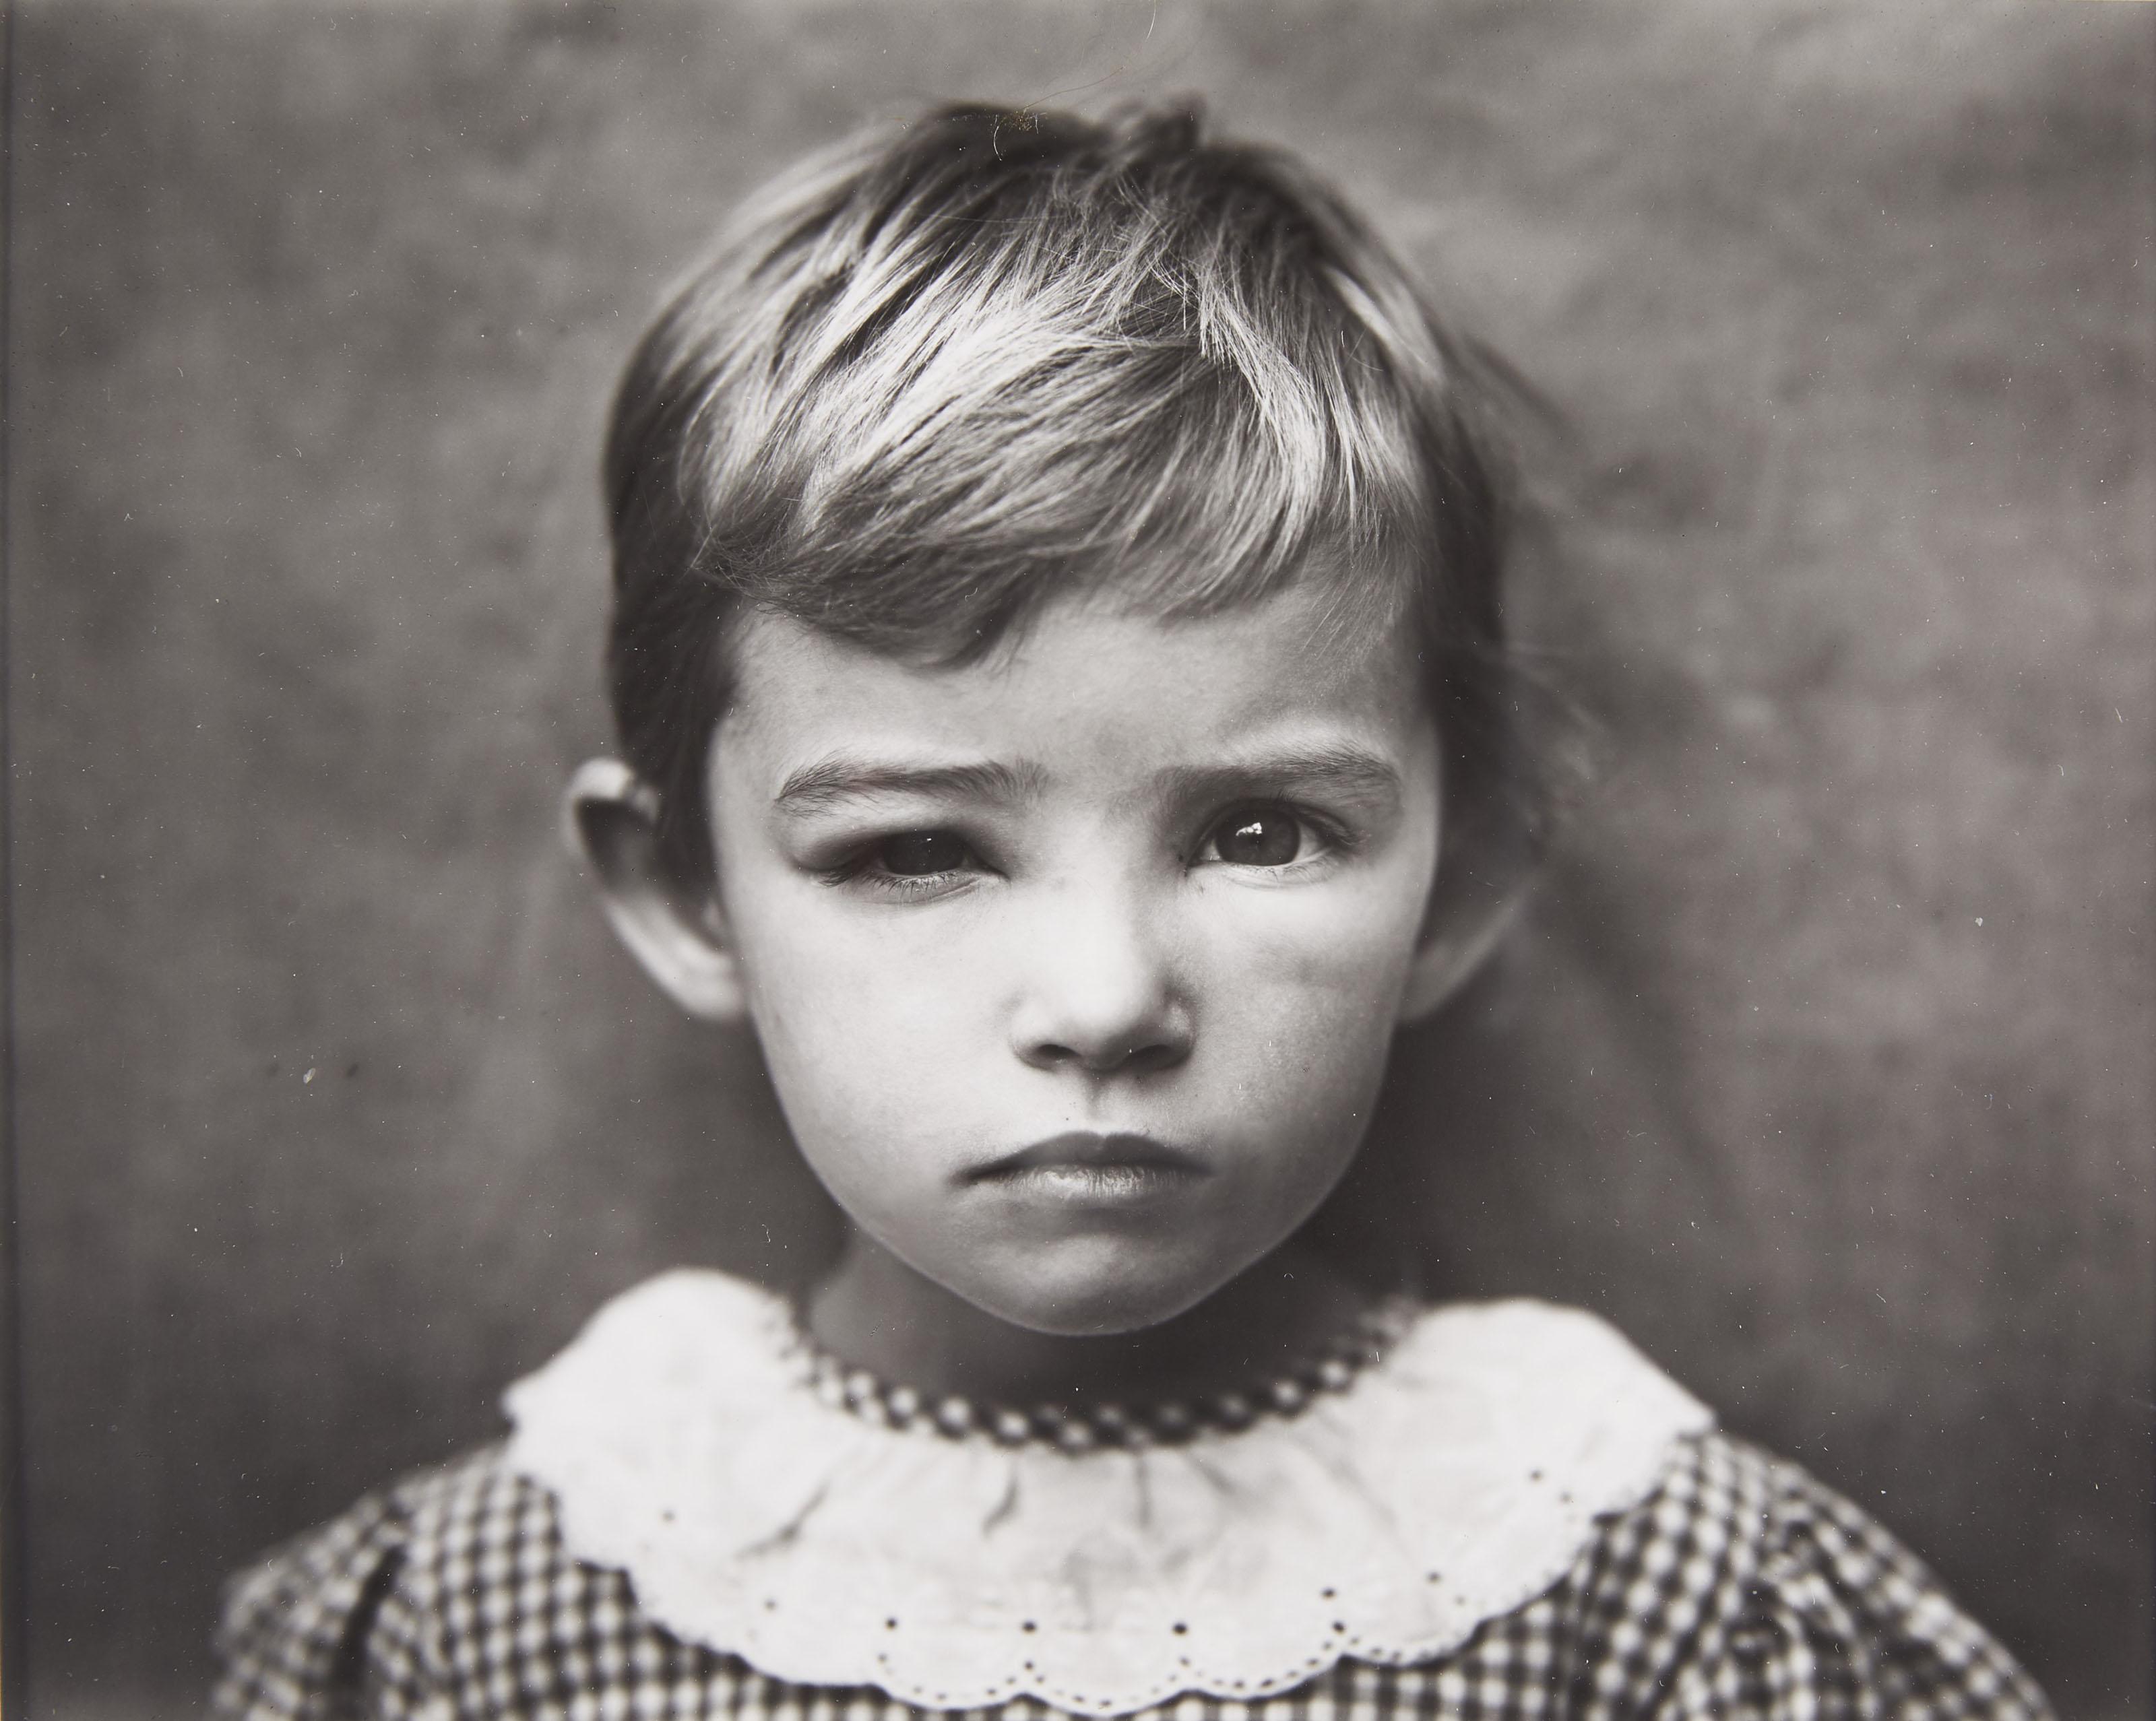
957	421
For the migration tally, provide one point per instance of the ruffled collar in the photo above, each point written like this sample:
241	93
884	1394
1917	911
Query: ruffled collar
1454	1481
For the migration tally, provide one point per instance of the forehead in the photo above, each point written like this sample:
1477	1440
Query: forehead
1087	683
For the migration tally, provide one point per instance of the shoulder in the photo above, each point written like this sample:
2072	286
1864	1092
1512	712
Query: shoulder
1743	1586
424	1591
370	1608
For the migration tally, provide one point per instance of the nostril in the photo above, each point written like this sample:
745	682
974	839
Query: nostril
1115	1057
1142	1059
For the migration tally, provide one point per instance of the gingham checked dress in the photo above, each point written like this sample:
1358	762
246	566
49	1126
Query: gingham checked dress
1511	1514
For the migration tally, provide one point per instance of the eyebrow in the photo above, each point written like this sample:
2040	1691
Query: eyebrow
1347	771
841	777
1344	769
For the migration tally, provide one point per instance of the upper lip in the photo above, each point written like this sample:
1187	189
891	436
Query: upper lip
1086	1148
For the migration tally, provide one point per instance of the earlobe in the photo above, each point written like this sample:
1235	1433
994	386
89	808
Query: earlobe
1458	938
610	819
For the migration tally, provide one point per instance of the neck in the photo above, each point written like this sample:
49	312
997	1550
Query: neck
876	1313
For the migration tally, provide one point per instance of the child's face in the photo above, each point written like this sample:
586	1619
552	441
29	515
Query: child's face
1076	970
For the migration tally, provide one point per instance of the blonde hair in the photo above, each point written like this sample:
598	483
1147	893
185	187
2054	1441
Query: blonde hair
953	369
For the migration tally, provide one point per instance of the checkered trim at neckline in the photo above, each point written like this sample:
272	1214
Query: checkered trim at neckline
1082	1427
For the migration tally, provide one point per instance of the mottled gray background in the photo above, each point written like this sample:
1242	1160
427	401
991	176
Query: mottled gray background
1824	1067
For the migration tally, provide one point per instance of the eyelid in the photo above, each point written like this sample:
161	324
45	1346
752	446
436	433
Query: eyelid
1361	785
845	840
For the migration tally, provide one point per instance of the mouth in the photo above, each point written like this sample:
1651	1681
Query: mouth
1100	1168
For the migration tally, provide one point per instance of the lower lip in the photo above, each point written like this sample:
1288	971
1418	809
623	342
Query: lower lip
1109	1186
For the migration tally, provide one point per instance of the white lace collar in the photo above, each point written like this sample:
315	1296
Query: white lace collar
1454	1481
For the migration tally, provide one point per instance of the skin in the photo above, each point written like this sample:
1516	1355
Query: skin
1125	877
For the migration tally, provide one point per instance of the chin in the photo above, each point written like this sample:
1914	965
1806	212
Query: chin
1096	1299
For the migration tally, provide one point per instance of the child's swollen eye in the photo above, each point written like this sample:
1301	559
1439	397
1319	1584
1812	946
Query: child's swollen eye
909	866
1258	836
921	854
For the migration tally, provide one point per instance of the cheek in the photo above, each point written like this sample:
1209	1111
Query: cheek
1303	999
853	1023
1338	957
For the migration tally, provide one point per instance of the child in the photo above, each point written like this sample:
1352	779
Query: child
1058	652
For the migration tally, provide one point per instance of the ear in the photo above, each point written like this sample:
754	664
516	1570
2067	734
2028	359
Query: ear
1483	880
610	818
1452	947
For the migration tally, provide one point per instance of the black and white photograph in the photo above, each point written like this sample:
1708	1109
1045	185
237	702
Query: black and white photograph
1198	860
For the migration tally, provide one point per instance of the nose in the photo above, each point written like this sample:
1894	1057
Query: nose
1101	993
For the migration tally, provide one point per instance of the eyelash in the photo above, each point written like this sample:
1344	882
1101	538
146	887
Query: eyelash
907	887
861	869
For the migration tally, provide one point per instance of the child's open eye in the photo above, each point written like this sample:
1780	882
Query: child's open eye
1260	834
